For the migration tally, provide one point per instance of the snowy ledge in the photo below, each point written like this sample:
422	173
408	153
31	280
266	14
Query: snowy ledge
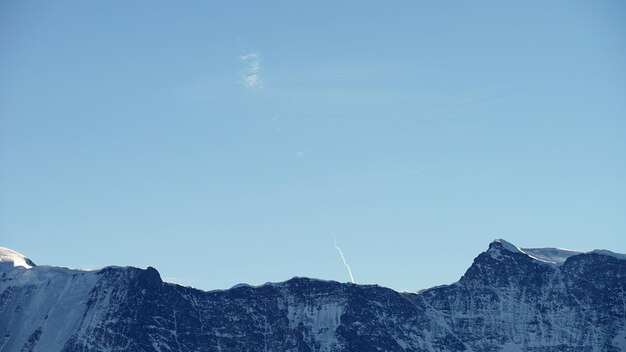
18	259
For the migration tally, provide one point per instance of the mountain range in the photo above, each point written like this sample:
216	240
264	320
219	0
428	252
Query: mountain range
510	299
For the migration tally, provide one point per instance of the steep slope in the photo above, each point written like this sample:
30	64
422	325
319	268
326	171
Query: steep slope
510	299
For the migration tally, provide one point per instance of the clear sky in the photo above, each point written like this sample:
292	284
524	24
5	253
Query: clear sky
223	142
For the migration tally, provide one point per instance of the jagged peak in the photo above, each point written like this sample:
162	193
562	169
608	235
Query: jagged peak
18	259
499	243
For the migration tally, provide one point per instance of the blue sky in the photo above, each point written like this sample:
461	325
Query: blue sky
225	142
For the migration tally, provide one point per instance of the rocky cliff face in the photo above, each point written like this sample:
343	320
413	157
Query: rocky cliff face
510	299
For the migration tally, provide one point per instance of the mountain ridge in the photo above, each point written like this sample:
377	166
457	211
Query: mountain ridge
506	300
9	255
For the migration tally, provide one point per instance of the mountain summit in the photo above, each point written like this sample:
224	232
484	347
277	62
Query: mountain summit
510	299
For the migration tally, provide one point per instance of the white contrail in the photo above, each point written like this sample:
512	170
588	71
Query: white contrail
345	263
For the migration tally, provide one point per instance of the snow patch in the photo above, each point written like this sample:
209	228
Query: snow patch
556	256
18	259
510	347
620	341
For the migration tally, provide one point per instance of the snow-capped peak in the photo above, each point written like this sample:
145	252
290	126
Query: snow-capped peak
18	259
553	256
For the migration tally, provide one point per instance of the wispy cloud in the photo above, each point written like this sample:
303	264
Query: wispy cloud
251	75
302	153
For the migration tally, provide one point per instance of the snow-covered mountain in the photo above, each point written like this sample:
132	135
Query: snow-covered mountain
510	299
